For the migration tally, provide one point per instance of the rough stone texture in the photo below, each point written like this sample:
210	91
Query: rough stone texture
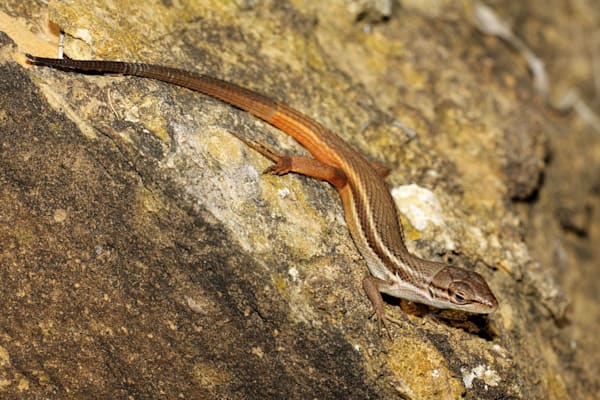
142	254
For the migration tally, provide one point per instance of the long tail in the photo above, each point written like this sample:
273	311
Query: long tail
247	100
321	142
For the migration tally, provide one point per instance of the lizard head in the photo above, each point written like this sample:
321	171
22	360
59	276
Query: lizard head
461	289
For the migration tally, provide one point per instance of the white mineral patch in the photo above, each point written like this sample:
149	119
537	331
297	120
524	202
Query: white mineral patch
84	35
489	376
419	205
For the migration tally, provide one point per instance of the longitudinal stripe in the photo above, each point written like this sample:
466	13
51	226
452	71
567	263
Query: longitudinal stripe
318	140
371	226
353	219
368	228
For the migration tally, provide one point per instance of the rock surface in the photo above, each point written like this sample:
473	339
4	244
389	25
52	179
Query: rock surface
143	255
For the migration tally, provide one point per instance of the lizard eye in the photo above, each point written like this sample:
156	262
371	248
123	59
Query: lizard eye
459	293
459	298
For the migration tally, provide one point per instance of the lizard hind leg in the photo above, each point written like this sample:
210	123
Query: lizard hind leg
299	164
